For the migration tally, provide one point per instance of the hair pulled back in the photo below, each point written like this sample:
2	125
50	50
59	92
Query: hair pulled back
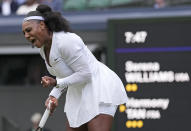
53	20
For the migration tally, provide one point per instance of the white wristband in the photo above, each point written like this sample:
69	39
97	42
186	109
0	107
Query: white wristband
56	92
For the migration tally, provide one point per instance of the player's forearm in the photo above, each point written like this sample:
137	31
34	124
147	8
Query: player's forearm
75	79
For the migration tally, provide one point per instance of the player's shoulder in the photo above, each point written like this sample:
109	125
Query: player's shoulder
67	39
65	36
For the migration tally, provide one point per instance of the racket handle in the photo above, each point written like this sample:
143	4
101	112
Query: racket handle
44	118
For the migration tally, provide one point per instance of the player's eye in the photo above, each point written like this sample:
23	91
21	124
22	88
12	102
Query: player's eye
28	30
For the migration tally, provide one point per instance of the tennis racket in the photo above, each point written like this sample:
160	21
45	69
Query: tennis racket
44	118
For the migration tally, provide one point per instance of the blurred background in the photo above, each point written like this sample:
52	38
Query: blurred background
105	26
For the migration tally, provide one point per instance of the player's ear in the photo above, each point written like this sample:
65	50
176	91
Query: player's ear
42	25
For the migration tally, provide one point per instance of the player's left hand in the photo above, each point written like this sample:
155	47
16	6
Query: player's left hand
47	81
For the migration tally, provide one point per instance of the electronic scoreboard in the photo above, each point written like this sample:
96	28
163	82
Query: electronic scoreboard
153	58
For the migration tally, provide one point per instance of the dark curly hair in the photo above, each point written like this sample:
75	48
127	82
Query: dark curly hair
53	20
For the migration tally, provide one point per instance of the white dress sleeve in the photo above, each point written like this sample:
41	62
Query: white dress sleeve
72	53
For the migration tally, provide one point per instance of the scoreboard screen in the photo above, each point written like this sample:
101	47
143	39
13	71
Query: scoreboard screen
153	58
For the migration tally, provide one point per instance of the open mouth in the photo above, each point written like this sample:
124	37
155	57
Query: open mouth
33	41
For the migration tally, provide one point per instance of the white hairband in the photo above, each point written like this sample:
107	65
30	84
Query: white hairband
33	18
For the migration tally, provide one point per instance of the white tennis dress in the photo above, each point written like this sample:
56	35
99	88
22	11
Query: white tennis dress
89	82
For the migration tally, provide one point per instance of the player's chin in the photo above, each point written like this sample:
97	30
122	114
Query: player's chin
37	45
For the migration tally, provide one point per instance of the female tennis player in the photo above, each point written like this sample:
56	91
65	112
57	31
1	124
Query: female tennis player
93	90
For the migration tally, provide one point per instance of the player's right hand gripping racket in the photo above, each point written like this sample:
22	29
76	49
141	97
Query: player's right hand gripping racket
44	118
